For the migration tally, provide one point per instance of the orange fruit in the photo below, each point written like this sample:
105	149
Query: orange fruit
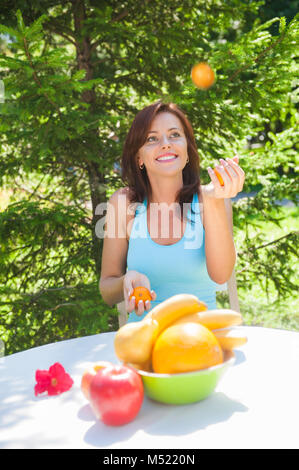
185	347
236	160
219	177
202	75
89	374
141	293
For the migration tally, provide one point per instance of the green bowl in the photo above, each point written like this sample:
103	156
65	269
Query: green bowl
187	387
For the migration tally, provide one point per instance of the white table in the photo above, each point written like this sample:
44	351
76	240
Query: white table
255	405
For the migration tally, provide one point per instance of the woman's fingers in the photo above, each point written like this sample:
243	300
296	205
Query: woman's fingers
239	172
130	302
233	175
214	178
224	174
227	178
134	279
153	294
145	306
148	304
236	174
128	290
140	308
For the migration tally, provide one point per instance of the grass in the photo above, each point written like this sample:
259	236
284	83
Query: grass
256	307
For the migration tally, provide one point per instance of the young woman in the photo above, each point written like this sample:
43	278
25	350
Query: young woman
165	230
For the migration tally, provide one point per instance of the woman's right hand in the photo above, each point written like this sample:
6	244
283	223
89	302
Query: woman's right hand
134	279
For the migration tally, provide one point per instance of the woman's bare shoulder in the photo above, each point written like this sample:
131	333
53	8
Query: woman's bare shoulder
124	192
129	212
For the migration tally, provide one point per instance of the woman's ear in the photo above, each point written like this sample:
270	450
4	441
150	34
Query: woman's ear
139	162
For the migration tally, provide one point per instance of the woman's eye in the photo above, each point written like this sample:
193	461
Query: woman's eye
153	138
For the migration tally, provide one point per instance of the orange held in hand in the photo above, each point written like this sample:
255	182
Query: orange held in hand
236	160
202	75
141	293
219	177
185	347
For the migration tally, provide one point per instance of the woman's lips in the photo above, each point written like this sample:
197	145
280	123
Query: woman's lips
166	158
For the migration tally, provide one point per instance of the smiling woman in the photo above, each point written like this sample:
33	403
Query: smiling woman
190	249
144	139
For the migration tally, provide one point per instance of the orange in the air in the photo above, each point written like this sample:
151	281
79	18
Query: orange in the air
141	293
202	75
89	374
186	347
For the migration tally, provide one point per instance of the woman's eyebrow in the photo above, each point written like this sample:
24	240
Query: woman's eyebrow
156	132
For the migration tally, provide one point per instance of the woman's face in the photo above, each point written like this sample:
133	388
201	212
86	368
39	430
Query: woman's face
165	149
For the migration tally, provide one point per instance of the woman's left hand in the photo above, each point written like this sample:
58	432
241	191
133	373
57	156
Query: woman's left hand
233	178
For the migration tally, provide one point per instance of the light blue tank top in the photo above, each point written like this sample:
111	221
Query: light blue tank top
171	269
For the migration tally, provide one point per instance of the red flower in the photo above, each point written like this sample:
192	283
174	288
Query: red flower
54	381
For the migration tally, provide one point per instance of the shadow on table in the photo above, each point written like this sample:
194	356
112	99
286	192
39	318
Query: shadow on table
159	419
240	357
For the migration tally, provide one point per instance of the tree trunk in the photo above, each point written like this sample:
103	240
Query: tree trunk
96	178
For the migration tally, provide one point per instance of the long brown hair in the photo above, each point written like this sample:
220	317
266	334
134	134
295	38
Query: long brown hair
137	179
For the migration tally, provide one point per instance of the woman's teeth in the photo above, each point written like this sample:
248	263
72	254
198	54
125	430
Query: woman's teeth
169	157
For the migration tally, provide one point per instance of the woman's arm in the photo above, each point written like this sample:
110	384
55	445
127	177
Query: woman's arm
219	244
114	254
111	289
217	219
115	283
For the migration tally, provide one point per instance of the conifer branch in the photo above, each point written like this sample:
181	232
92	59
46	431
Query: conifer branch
273	242
33	192
267	244
35	76
261	54
65	36
61	30
119	17
64	304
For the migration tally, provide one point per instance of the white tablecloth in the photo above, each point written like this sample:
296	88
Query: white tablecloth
255	405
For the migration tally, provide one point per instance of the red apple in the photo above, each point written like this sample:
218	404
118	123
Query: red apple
116	395
89	374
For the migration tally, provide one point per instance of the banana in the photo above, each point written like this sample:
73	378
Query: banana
229	338
133	342
213	319
174	308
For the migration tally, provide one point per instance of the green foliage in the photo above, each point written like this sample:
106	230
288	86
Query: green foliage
52	314
75	74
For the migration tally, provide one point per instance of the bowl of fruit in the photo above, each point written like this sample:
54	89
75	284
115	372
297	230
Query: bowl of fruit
193	349
180	349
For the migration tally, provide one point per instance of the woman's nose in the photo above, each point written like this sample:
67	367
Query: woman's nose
165	141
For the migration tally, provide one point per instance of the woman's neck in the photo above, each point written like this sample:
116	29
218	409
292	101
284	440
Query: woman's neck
165	190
